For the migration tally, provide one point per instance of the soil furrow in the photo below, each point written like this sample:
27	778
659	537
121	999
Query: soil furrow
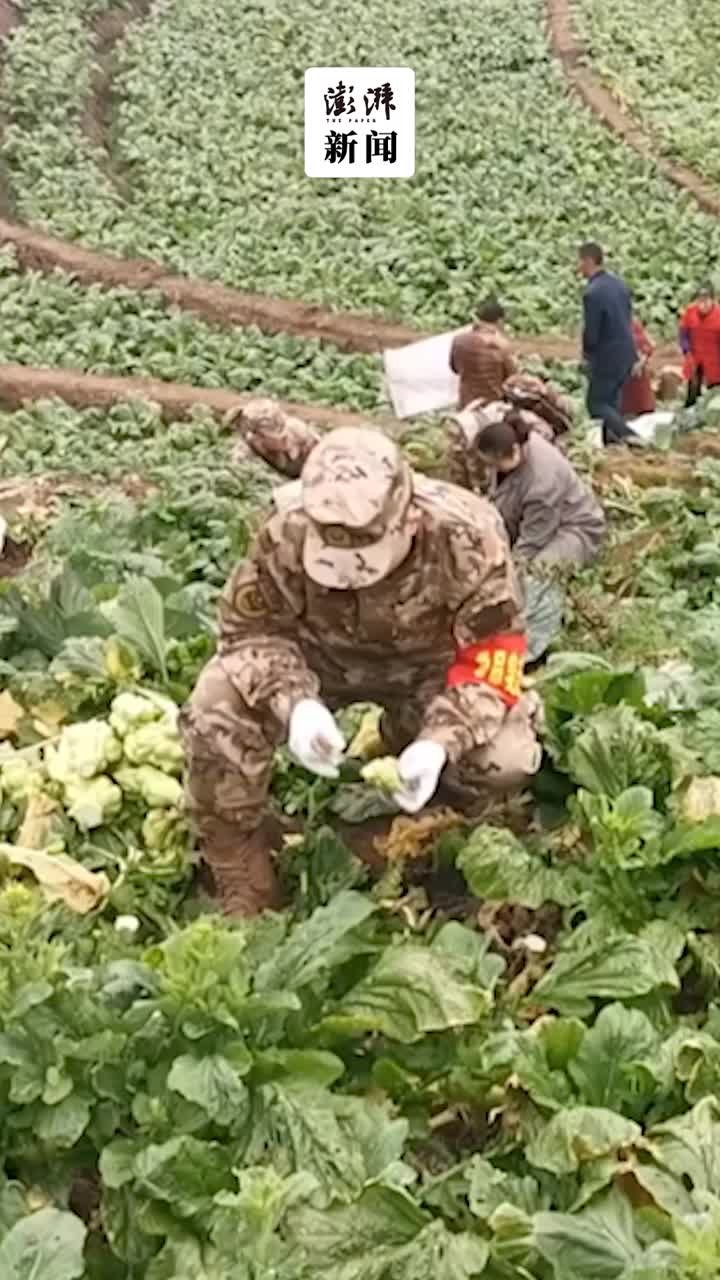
228	308
589	86
21	383
10	18
108	30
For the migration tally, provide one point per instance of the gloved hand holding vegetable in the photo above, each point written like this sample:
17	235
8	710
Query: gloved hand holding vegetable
315	740
412	780
419	766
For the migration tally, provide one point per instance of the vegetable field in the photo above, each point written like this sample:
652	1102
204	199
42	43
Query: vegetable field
494	1054
662	67
199	164
55	322
468	1047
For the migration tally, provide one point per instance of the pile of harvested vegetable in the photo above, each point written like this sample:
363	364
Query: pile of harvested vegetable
491	1048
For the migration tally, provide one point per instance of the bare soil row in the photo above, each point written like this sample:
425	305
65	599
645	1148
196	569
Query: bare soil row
21	384
590	87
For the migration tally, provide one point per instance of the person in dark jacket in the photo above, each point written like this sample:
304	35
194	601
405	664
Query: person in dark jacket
607	343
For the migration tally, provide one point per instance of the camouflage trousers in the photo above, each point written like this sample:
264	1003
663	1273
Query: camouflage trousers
229	751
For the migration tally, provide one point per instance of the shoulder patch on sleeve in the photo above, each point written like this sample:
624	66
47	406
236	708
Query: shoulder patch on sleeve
248	601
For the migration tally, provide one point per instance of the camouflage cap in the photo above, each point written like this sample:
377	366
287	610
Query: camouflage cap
281	440
356	490
264	411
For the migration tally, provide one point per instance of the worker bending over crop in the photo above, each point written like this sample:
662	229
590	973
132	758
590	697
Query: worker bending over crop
267	432
548	512
368	582
551	517
539	406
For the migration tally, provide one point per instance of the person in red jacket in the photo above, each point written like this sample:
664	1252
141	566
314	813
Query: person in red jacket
700	343
637	394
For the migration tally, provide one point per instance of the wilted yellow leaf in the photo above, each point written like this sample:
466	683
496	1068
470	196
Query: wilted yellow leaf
702	800
11	713
410	838
34	831
61	877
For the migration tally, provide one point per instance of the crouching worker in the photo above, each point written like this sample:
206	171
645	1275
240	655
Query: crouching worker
551	517
538	405
268	433
368	583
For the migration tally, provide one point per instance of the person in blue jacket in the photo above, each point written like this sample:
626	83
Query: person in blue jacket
608	345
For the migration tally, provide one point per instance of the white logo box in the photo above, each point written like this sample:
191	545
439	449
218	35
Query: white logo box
359	122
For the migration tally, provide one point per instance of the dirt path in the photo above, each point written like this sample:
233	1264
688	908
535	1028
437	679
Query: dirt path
228	308
572	55
22	383
108	30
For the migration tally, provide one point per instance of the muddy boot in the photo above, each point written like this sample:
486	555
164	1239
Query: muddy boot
241	865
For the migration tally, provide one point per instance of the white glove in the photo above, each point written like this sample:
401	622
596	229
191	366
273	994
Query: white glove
314	738
420	766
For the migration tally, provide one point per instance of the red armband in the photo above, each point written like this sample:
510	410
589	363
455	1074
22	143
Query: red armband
498	662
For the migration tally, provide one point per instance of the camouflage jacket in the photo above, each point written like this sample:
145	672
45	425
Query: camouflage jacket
283	637
524	391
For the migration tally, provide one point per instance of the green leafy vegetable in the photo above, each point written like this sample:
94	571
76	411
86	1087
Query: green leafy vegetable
45	1243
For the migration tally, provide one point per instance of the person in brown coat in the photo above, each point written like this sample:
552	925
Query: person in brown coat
481	357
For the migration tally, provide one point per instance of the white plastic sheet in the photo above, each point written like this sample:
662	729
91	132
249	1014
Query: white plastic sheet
418	377
650	427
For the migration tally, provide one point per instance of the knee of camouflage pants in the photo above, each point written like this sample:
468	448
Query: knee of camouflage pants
511	759
506	764
229	756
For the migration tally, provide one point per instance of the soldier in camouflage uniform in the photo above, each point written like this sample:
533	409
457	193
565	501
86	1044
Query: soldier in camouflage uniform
267	432
368	583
